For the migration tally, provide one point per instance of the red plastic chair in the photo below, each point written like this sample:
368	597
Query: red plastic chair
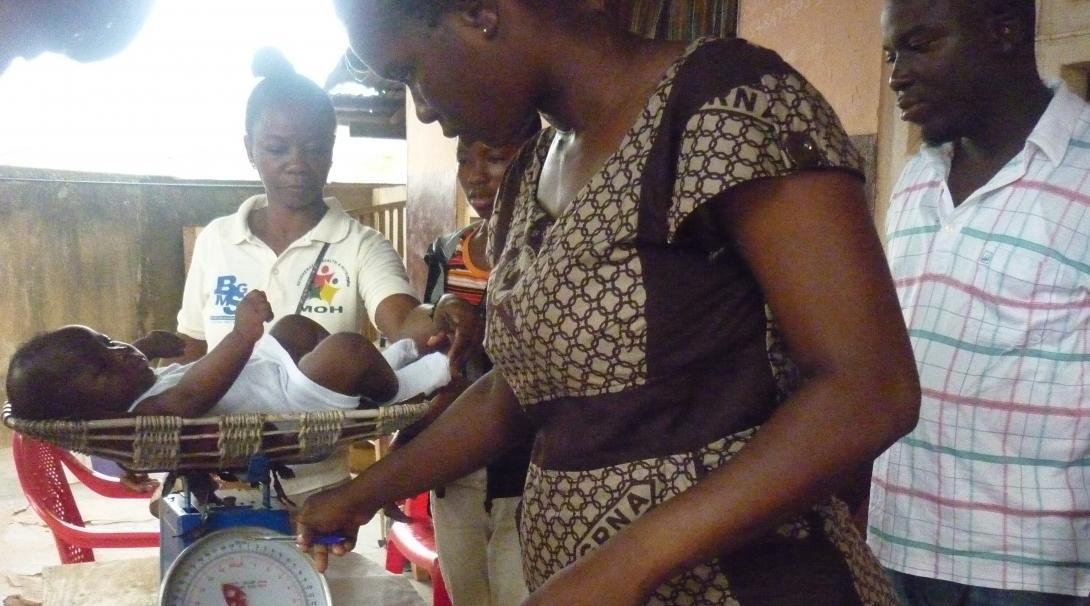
40	468
415	542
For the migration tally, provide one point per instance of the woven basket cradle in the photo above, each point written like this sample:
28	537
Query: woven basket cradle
164	443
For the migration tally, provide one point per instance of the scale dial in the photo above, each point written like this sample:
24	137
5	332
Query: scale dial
233	568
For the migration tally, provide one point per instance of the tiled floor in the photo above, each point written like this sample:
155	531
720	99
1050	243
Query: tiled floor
26	544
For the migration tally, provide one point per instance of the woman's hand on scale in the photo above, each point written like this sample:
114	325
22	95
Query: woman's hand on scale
331	512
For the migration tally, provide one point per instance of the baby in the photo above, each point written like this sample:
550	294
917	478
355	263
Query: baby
77	373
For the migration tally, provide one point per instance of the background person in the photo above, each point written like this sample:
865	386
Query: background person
680	190
988	237
474	516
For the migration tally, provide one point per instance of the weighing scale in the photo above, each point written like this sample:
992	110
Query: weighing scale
243	566
242	554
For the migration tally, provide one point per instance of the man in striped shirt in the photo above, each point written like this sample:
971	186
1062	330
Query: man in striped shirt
987	501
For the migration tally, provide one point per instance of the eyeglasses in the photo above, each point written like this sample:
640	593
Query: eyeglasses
355	66
362	74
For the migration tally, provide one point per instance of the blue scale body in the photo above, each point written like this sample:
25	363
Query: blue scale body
181	522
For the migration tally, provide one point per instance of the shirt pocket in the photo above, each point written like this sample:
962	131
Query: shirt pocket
1029	288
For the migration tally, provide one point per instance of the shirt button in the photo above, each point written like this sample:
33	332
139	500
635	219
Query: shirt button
276	272
948	228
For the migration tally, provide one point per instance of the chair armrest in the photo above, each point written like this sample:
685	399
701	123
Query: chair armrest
93	538
102	484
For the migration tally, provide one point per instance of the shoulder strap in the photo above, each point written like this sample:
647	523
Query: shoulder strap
310	278
439	253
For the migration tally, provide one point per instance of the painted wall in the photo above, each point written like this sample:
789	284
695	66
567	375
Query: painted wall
432	186
1063	41
102	250
836	44
839	51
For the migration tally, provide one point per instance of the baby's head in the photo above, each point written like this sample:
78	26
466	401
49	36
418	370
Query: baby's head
75	373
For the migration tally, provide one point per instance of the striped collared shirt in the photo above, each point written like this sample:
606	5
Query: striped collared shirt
992	488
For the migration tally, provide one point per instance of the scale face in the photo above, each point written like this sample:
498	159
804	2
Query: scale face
231	567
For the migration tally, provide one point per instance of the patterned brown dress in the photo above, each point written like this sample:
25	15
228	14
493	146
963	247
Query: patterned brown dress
646	358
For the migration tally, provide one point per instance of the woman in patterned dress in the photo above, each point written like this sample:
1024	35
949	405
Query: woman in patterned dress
684	453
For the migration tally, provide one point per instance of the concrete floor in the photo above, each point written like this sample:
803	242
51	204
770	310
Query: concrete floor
26	544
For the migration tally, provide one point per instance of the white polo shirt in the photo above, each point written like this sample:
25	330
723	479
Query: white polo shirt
360	266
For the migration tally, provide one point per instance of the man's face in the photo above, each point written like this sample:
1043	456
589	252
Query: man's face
940	66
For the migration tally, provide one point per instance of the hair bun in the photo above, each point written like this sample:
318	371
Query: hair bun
269	62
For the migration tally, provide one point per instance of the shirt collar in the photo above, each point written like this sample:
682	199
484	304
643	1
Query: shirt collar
331	228
1052	134
1054	130
938	156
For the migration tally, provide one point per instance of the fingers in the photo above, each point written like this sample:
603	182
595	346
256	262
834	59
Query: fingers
467	339
138	482
339	549
460	347
321	557
437	340
255	294
304	540
319	547
261	304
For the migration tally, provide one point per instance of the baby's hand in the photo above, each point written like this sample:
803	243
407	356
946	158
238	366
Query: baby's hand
252	313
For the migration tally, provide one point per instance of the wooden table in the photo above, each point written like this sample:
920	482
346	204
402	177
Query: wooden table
119	582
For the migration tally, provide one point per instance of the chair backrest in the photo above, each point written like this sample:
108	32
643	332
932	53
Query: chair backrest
42	478
40	467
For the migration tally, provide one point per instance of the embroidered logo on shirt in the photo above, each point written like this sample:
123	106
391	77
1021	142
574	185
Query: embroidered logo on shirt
330	279
228	293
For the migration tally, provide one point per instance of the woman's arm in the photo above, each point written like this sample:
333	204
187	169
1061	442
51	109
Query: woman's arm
479	425
451	320
809	242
